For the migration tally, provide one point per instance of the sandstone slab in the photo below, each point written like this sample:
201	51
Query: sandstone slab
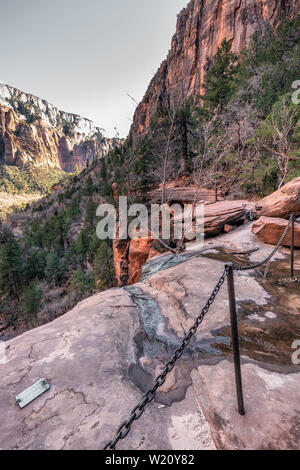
270	230
101	357
221	214
86	356
272	415
282	203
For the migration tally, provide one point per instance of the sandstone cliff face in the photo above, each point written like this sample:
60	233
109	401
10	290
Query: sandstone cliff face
33	131
201	28
129	258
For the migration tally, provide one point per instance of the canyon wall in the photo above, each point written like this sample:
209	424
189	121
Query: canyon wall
33	131
201	28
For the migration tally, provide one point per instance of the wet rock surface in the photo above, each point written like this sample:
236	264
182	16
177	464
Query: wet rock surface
101	357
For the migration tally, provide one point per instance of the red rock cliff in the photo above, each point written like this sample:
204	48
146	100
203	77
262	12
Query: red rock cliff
201	28
33	131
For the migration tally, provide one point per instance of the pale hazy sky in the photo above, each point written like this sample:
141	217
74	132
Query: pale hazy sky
84	55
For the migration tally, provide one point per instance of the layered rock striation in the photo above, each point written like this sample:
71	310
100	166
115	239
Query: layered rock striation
201	28
33	131
282	203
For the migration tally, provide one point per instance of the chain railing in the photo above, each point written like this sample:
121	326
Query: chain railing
228	273
268	258
137	412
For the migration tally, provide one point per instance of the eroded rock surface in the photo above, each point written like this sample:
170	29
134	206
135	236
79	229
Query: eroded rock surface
33	131
270	230
217	215
131	255
101	357
282	203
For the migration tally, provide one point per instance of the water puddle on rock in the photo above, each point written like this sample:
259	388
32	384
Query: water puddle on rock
158	338
154	350
268	331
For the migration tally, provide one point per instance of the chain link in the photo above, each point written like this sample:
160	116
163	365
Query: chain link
265	261
138	411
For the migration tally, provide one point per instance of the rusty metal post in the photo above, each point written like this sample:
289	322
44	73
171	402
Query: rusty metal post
235	340
293	247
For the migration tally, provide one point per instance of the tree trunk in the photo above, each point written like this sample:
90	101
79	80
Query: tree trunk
185	148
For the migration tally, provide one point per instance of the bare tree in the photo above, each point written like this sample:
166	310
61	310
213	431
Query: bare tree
210	153
164	147
130	157
239	128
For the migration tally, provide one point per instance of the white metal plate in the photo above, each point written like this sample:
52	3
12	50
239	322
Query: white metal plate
32	393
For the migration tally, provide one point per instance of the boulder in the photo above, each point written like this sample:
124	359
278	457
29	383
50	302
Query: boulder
221	214
270	230
228	228
283	202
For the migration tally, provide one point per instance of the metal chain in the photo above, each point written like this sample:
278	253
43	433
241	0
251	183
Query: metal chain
138	411
265	261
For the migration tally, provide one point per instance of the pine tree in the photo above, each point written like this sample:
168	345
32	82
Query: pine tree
103	172
31	303
90	216
219	79
186	123
104	272
35	264
82	283
89	188
55	268
11	266
82	246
